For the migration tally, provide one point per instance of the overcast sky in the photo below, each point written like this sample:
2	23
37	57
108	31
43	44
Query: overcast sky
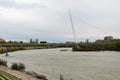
49	19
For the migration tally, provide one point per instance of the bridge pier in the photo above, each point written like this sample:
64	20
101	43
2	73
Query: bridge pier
6	51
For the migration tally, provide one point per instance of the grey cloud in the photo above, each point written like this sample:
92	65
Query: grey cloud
13	4
54	23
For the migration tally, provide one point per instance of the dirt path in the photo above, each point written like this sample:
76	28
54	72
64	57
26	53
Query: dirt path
19	74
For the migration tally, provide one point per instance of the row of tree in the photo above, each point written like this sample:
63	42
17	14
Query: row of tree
34	40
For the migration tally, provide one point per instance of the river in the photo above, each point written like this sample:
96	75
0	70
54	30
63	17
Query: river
76	65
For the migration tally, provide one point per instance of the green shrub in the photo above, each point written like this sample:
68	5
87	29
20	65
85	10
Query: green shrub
21	66
18	66
62	77
15	66
39	76
2	50
3	62
42	77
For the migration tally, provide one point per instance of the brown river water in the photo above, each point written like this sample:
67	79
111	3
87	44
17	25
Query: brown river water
76	65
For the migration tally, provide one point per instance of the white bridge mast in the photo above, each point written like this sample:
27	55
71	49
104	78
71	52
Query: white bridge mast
72	25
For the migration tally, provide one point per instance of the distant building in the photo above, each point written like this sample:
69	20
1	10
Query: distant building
70	42
87	41
2	40
108	38
43	41
21	41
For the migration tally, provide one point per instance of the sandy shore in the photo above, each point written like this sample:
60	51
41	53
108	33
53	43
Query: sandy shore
19	74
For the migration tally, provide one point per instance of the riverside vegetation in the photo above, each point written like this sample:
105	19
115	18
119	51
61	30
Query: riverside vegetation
11	49
25	46
113	45
17	66
62	77
3	62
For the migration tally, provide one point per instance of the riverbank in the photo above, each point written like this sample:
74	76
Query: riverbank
11	49
19	74
96	47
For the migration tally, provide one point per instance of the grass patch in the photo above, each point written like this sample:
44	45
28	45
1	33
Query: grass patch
6	76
